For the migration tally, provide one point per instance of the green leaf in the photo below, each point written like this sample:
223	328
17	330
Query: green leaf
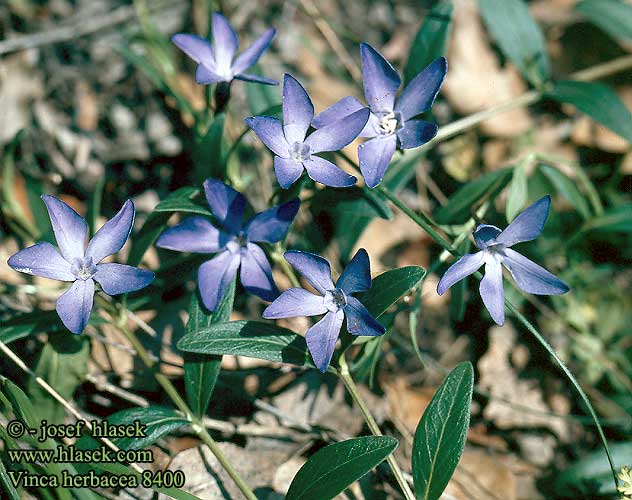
617	220
333	468
21	405
63	363
459	207
8	488
183	202
441	433
517	191
201	370
263	99
599	102
208	155
567	188
591	476
612	16
518	36
253	339
389	287
430	40
158	420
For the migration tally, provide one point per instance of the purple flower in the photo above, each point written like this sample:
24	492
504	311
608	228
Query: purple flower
495	250
234	243
334	301
217	62
294	150
391	123
79	264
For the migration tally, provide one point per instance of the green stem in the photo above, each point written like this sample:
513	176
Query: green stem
172	392
346	378
277	256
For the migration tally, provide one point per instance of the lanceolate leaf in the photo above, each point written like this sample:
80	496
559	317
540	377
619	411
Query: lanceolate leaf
201	370
517	191
568	189
333	468
612	16
599	102
430	41
460	204
518	36
616	219
248	338
208	155
440	436
7	485
389	287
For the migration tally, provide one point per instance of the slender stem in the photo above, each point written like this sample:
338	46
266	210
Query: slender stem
196	424
277	256
59	398
346	378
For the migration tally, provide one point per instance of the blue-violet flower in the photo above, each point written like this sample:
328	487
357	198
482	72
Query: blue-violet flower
217	62
294	150
79	264
392	122
234	242
334	301
495	250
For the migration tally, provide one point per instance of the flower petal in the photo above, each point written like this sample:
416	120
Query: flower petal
298	110
327	173
322	337
256	273
251	55
250	77
193	234
214	277
273	224
380	79
414	133
466	265
528	225
270	131
360	321
338	134
111	237
197	48
492	292
75	305
357	275
295	302
225	41
314	269
121	278
69	227
42	259
532	278
226	204
486	235
337	111
287	171
420	93
375	155
205	76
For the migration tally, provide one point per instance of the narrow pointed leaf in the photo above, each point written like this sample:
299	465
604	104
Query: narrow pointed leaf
517	192
430	40
208	155
612	16
567	188
518	36
441	433
7	485
249	338
201	370
597	101
333	468
389	287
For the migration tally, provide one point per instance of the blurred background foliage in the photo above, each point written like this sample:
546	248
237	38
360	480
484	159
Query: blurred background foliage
97	106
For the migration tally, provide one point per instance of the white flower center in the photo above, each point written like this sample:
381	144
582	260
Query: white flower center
83	269
388	123
237	243
335	299
299	152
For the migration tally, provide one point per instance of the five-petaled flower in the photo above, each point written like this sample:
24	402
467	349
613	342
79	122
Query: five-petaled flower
392	122
217	62
294	150
234	242
495	250
82	265
334	301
